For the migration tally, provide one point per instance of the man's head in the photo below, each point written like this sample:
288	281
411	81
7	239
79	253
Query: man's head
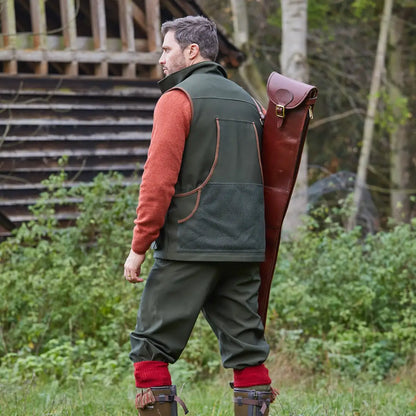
187	41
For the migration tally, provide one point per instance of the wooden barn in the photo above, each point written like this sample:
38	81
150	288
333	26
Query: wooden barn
78	78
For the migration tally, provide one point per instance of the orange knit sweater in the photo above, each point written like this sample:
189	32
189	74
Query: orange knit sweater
171	123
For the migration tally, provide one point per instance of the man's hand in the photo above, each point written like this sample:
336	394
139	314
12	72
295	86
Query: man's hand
132	267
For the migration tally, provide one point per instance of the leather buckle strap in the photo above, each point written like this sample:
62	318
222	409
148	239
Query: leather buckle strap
263	404
183	405
147	397
164	398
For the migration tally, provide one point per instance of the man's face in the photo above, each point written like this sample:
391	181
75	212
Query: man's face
173	58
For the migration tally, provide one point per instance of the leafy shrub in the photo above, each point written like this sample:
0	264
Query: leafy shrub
349	300
62	289
339	301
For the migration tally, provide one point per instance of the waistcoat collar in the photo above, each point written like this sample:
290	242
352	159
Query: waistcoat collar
206	67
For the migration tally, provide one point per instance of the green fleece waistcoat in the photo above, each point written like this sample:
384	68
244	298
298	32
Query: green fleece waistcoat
217	212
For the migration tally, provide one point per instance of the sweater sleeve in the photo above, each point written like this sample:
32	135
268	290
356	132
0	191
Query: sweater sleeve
171	123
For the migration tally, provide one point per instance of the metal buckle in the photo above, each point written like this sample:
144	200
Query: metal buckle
280	110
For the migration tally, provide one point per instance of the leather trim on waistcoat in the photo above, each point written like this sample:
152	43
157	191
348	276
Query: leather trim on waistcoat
258	151
203	184
198	198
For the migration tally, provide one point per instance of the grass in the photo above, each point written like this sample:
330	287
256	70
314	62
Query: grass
306	397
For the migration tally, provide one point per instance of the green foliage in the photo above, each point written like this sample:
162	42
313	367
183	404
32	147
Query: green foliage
364	8
339	301
346	302
395	112
64	301
322	12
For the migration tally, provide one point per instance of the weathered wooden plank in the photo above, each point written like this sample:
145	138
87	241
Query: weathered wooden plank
35	149
25	188
77	122
99	31
138	16
153	25
73	152
127	35
49	86
84	129
153	33
52	166
105	137
8	28
55	42
73	106
69	30
93	57
16	90
38	18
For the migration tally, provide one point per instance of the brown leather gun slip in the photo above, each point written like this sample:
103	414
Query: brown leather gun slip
285	125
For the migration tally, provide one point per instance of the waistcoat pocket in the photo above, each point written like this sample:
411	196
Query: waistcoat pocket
229	217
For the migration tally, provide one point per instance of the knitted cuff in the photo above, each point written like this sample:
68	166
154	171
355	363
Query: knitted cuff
152	374
252	376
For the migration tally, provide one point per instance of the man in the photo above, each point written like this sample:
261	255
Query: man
201	203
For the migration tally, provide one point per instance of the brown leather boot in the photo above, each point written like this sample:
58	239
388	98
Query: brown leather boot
159	401
253	401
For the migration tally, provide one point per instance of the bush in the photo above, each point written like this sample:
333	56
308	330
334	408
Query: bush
339	301
345	301
62	290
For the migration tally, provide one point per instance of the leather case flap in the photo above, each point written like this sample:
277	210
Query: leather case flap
287	92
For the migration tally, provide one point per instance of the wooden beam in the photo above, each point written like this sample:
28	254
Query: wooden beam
39	29
153	32
69	30
55	42
127	34
138	16
92	57
8	28
99	32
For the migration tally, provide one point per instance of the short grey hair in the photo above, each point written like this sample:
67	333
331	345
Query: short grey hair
195	29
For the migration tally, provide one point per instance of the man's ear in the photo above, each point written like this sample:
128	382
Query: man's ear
193	51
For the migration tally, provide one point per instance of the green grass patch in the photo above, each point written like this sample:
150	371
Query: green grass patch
213	397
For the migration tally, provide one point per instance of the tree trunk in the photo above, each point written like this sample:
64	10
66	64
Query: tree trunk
248	70
294	65
399	138
360	181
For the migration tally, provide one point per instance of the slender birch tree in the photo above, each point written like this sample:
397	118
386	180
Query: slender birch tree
248	70
368	132
399	134
294	64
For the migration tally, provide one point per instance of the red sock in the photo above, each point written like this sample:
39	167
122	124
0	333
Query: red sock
152	374
252	376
